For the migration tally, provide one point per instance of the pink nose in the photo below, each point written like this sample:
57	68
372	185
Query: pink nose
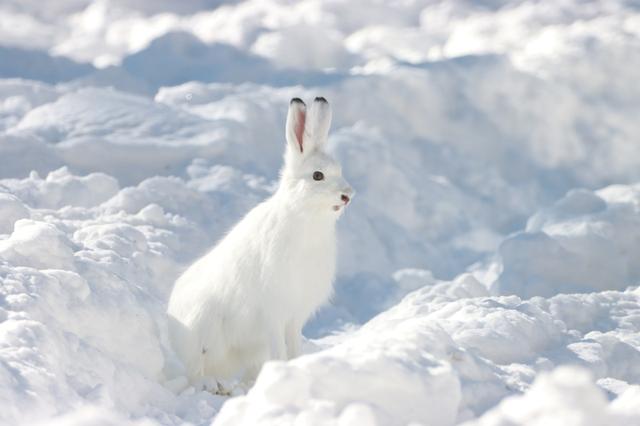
345	198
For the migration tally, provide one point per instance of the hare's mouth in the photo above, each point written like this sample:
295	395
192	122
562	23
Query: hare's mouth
345	200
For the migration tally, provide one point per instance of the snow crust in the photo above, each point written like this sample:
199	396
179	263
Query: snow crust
488	267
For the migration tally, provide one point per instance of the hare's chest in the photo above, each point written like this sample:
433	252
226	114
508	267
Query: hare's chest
312	281
307	272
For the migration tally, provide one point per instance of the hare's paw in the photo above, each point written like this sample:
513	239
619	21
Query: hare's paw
209	384
222	387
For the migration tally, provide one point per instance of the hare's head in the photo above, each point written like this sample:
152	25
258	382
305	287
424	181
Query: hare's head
311	175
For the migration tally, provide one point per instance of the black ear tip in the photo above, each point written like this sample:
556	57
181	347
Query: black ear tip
321	99
296	101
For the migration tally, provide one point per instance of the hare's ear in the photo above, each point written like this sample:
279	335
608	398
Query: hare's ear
296	119
318	123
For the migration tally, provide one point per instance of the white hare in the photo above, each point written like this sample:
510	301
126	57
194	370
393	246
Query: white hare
246	301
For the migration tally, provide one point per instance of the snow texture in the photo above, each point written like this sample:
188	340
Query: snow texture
488	266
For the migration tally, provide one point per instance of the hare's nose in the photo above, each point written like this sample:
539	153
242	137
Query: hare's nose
345	198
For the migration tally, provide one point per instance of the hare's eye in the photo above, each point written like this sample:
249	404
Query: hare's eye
318	176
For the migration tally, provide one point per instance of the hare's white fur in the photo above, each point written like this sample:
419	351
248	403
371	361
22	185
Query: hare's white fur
247	300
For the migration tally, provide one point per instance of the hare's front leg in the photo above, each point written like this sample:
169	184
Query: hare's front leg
293	338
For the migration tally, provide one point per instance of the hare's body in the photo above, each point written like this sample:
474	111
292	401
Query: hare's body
247	300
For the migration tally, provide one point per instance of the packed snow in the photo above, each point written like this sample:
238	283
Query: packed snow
488	266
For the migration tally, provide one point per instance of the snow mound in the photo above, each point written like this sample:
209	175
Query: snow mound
567	396
11	210
60	189
19	97
350	383
585	242
39	245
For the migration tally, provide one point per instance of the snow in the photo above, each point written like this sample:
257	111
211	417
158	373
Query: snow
566	396
560	243
488	268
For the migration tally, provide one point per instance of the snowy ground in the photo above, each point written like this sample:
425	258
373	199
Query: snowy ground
489	265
